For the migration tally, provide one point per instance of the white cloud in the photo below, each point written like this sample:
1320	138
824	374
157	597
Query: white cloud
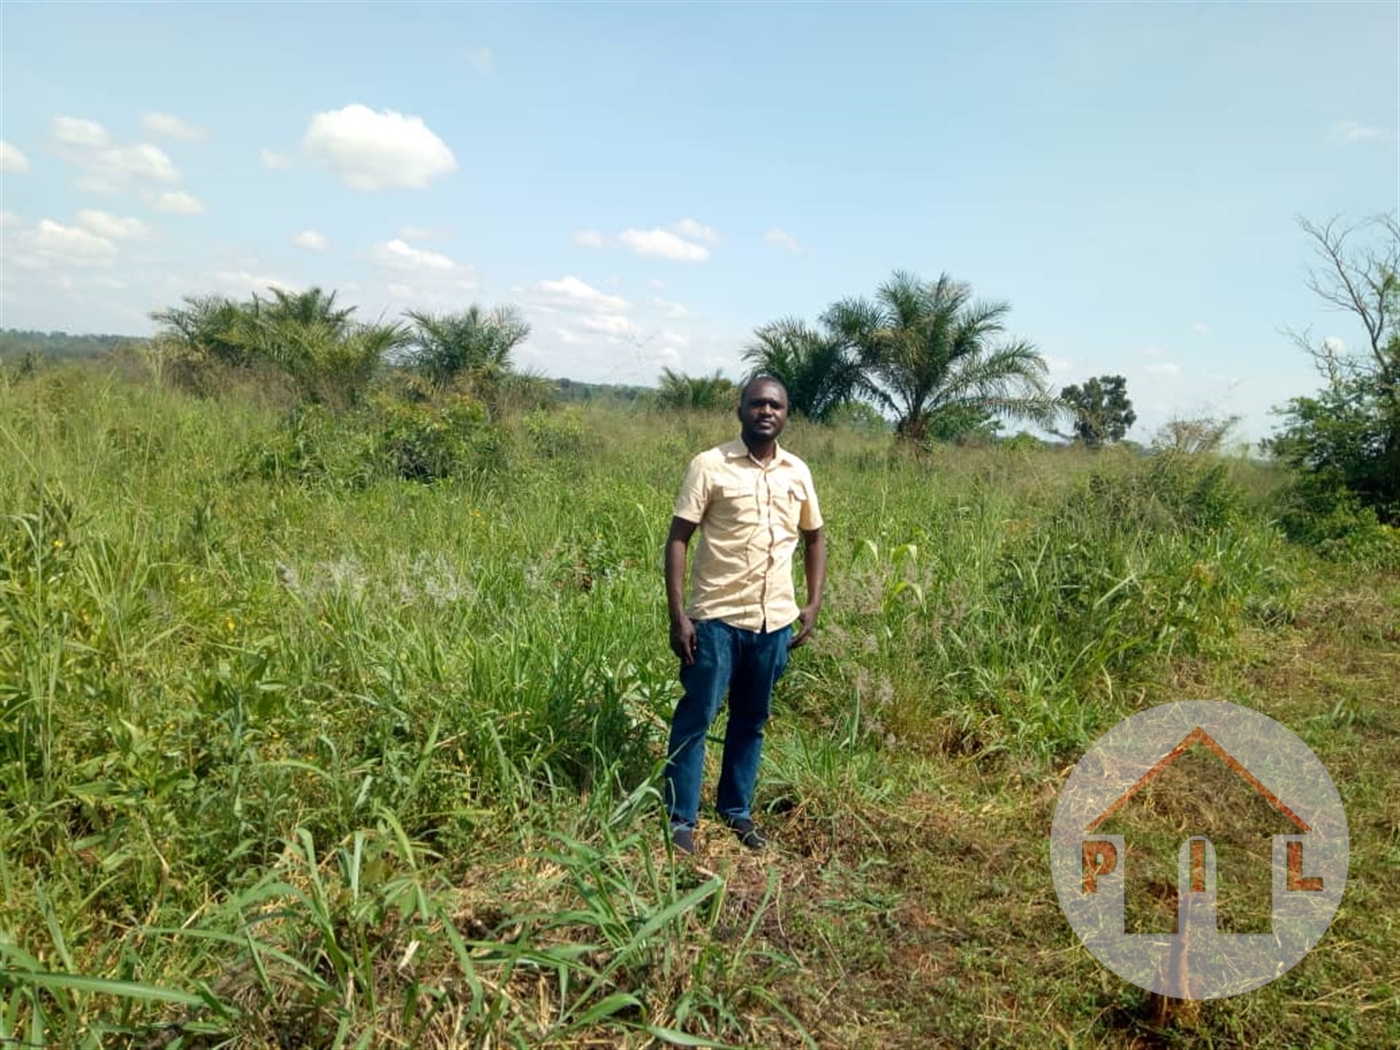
400	255
1153	351
9	219
609	324
482	60
656	283
676	310
696	231
663	244
52	243
119	169
310	239
421	279
433	291
1335	344
244	282
1163	368
676	339
107	165
274	160
176	202
589	238
142	161
171	126
1349	131
1200	328
75	131
572	293
114	227
377	151
11	159
783	239
1057	365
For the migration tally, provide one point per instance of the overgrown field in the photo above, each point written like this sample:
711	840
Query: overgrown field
298	751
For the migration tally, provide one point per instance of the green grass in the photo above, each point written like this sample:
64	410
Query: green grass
294	752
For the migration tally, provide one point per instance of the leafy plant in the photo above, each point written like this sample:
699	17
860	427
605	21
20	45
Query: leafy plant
819	368
1102	411
926	347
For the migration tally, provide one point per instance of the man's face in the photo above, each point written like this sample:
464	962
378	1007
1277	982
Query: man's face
764	410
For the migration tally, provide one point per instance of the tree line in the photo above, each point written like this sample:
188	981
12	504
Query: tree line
926	357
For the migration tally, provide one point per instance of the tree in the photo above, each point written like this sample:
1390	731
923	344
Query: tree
1102	411
1347	437
696	393
473	345
206	326
329	357
1195	436
962	424
819	368
927	347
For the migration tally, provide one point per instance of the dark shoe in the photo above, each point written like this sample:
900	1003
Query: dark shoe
683	839
748	834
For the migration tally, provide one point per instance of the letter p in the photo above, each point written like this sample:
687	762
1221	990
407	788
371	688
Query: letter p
1100	858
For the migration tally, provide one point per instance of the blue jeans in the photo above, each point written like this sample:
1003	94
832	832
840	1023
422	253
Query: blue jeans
747	664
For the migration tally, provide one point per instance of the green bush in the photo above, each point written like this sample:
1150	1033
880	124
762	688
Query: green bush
553	434
312	447
1321	511
433	440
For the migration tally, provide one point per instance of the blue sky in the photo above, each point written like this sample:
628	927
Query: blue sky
651	182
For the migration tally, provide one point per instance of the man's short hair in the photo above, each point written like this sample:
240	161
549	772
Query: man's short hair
762	378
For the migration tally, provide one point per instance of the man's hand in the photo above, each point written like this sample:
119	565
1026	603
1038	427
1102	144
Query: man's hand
684	641
806	623
814	562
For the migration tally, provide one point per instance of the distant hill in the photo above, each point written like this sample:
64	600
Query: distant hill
16	342
573	390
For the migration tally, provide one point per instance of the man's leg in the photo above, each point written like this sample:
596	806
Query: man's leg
762	660
705	682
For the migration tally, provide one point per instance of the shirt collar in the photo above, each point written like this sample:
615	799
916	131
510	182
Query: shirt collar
736	449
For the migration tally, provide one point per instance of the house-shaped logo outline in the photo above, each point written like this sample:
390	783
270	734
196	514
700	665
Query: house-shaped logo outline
1199	736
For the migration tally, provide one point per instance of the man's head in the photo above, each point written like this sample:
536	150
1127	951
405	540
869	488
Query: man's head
763	409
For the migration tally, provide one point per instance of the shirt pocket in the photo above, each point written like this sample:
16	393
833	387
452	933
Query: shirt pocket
739	505
791	505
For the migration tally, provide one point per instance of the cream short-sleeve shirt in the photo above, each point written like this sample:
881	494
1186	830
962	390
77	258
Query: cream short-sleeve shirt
751	517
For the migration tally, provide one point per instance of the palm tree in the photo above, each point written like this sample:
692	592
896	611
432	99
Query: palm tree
819	368
328	356
205	327
696	393
473	344
312	306
926	349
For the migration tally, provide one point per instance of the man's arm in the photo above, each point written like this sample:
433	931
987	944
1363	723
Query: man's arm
683	641
814	563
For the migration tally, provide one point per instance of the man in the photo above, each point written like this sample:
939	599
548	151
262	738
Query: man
751	499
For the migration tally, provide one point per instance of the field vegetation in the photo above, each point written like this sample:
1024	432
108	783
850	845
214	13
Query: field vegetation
334	686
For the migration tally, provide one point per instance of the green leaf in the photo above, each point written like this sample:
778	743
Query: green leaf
105	986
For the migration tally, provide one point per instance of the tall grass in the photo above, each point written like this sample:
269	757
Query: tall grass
336	758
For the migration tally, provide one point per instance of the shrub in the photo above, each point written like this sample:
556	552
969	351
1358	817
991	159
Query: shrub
433	440
312	447
553	434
